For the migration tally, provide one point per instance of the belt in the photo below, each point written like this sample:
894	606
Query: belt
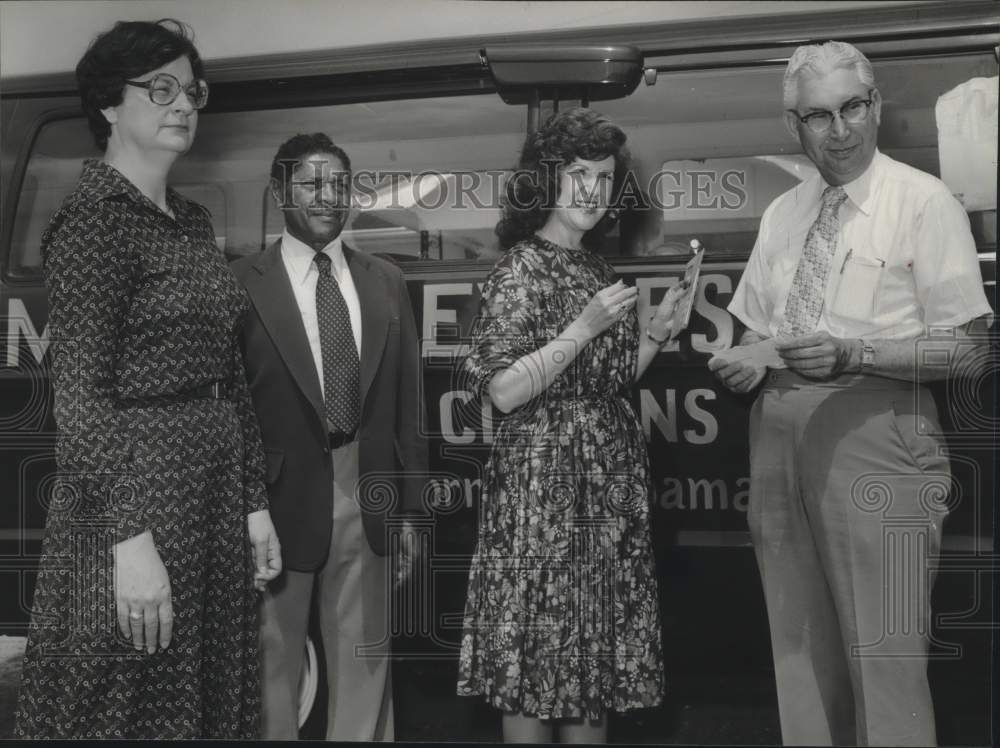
339	438
220	390
214	390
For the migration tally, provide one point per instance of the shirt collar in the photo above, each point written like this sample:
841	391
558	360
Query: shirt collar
300	256
100	181
861	191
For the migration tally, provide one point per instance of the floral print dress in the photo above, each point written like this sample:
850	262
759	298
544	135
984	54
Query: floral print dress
562	615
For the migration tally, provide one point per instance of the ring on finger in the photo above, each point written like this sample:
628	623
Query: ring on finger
135	615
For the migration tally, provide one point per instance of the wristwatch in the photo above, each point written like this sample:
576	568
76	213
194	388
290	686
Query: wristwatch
867	355
657	340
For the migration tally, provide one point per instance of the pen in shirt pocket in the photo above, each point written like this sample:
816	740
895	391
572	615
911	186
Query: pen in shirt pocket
872	262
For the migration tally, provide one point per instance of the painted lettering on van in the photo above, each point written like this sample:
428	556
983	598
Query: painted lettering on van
702	425
448	494
464	433
704	494
706	426
437	317
19	325
717	316
434	315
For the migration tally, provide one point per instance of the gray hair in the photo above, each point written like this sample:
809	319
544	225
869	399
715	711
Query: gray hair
819	59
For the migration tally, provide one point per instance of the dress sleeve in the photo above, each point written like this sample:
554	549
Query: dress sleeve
88	272
946	273
506	327
253	452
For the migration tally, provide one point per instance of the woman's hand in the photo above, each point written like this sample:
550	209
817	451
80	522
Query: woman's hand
266	548
142	593
609	305
662	324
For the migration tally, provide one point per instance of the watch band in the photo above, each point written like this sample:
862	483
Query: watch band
867	355
655	339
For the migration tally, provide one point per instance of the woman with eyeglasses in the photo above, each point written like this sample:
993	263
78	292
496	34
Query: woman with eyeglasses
144	616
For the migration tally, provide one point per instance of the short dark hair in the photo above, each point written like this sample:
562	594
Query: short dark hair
298	147
531	192
129	49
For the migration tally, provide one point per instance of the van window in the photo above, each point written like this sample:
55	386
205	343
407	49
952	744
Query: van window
426	170
709	153
717	141
51	174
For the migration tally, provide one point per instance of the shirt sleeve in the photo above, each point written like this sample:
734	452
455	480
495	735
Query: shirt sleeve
506	327
753	302
946	273
89	278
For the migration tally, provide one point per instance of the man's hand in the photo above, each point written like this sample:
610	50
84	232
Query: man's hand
266	548
738	376
819	355
142	593
409	553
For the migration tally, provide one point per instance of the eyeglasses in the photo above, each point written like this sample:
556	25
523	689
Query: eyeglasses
164	89
340	185
854	112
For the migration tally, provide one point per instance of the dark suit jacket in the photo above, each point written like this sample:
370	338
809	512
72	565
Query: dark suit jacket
285	389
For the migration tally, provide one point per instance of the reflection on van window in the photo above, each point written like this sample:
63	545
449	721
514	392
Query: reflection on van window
426	171
51	174
710	149
53	168
709	153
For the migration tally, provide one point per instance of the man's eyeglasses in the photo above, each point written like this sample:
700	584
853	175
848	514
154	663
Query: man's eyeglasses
340	185
164	89
854	112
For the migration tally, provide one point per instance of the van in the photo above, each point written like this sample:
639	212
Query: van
436	127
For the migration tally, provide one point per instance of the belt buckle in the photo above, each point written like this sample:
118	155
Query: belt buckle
338	439
217	390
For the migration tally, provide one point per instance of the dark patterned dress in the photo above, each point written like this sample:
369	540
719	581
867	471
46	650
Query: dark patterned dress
142	309
562	617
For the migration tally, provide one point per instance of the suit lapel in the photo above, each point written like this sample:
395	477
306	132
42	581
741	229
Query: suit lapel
373	294
270	289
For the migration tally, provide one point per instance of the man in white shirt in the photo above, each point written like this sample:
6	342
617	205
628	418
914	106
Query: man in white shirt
333	366
851	271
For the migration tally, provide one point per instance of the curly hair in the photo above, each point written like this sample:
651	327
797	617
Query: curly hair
299	146
532	190
128	50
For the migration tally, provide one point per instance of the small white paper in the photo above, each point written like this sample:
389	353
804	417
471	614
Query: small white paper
758	354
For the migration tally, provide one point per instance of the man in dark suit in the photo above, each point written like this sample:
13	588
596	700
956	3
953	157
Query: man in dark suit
333	365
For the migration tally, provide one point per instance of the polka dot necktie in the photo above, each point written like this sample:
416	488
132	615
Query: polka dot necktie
341	367
805	297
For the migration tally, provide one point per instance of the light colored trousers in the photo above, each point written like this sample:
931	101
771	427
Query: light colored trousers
846	502
351	594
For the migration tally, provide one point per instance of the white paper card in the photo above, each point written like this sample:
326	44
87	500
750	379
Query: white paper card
758	354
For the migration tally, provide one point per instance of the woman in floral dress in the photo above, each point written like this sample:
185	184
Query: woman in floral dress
562	618
144	621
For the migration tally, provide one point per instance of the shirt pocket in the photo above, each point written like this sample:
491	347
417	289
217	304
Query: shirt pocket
858	287
782	273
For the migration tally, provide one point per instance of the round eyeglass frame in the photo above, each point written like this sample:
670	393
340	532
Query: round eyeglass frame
191	90
819	116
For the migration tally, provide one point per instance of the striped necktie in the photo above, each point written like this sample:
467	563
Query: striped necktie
341	367
805	297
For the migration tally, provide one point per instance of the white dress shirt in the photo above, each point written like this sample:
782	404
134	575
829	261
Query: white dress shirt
303	273
905	258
